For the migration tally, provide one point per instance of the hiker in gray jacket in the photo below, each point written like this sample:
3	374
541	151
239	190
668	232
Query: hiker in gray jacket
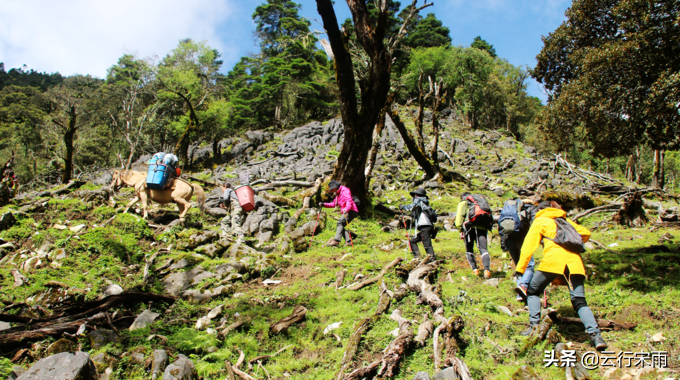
231	224
423	223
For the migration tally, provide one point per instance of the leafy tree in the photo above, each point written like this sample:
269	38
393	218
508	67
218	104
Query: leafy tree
131	99
21	77
189	77
612	69
70	110
23	112
290	79
479	43
360	122
428	32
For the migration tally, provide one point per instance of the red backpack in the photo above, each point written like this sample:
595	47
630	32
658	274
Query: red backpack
479	212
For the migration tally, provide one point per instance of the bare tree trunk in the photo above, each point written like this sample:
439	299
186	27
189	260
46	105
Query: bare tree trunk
421	158
376	146
630	168
419	117
358	125
637	164
436	112
69	134
657	171
217	155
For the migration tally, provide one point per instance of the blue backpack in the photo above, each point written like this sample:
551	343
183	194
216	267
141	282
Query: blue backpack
511	219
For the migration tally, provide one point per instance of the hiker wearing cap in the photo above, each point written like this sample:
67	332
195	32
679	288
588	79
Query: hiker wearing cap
234	219
349	210
513	226
474	219
562	244
423	222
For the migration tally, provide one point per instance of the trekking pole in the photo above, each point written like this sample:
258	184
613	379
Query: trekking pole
403	219
314	230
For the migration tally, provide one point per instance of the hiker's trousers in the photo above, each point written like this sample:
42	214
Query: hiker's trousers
340	231
576	290
477	235
425	235
514	246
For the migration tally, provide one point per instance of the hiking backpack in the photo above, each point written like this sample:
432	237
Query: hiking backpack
567	237
512	218
429	212
356	201
479	212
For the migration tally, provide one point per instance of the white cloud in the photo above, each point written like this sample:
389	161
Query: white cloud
88	36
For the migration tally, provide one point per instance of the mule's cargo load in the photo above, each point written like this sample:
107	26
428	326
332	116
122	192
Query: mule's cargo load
246	197
157	176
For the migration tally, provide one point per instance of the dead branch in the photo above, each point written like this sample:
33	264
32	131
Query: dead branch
298	315
278	199
362	327
275	184
606	207
313	191
604	324
19	279
223	334
424	332
377	278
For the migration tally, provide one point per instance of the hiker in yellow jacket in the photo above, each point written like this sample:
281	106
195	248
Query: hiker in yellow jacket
557	263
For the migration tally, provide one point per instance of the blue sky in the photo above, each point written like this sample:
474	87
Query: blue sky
87	37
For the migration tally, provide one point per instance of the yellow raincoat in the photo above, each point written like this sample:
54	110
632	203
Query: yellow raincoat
555	258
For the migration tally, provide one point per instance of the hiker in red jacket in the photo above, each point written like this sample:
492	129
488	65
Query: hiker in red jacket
348	208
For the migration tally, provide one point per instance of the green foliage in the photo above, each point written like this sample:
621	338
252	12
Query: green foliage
481	44
612	70
31	78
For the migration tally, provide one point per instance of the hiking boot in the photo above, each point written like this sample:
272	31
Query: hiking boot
487	274
521	291
348	244
529	331
598	342
332	243
475	272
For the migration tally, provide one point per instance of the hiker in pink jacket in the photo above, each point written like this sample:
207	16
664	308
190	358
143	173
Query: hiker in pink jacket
347	207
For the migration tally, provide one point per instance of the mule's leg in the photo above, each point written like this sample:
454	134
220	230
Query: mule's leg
144	195
135	200
183	206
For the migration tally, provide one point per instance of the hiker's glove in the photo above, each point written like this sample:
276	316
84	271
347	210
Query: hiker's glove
462	235
320	204
517	274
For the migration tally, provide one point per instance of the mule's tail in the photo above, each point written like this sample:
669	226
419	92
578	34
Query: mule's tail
200	197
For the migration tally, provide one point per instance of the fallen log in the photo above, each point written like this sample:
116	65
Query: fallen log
298	315
388	364
11	339
275	184
424	331
364	326
223	334
377	278
604	324
537	335
314	190
611	206
278	199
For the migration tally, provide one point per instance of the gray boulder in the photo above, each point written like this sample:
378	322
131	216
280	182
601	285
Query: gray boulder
181	369
421	376
176	283
101	337
63	366
506	144
143	320
530	149
159	363
103	179
7	220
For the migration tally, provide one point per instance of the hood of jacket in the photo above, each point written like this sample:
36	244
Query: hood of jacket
551	213
424	200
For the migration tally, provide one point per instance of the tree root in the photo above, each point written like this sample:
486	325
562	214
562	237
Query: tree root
377	278
298	315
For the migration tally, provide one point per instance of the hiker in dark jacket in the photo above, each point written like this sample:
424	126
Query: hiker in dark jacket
558	263
348	208
513	245
471	233
422	223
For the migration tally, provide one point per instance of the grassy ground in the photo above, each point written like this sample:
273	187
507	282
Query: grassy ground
633	283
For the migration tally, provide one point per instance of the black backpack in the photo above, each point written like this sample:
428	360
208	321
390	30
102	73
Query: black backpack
567	237
356	201
429	212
